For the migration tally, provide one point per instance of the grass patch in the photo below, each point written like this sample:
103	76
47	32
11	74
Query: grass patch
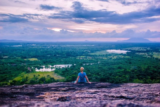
41	74
138	48
32	59
5	57
148	55
99	53
36	78
144	54
156	55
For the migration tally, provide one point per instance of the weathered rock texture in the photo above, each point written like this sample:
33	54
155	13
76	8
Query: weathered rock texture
81	95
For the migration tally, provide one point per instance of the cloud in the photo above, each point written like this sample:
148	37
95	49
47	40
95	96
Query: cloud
77	6
125	2
20	18
17	1
78	20
129	2
81	14
103	0
21	32
48	7
12	18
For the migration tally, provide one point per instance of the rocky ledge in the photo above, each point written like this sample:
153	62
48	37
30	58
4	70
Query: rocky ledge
81	95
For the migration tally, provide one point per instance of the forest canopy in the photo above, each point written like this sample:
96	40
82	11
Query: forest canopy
19	62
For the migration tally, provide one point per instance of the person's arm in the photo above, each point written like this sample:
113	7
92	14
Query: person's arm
87	79
77	80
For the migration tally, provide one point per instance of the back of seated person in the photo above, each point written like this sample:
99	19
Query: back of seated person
82	77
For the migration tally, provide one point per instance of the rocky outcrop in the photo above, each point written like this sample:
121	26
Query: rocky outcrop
81	95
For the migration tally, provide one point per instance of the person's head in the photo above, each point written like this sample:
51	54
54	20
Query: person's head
81	69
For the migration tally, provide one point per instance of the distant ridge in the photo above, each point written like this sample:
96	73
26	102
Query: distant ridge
6	40
136	40
131	40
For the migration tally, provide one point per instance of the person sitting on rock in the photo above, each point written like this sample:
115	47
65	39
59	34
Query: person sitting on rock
82	77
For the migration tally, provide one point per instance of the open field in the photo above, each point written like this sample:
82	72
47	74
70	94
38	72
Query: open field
38	77
156	55
32	59
104	52
138	48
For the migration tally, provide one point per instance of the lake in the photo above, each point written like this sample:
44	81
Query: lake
117	51
52	68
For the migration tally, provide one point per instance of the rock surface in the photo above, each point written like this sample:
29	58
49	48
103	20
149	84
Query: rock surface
81	95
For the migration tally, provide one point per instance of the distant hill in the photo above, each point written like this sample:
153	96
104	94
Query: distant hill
136	40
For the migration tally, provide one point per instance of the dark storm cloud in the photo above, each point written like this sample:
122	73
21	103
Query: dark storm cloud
104	16
48	7
12	18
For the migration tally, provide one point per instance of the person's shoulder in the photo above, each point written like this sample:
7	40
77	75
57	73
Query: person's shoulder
84	72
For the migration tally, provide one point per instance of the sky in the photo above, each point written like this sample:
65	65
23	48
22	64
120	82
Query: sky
79	20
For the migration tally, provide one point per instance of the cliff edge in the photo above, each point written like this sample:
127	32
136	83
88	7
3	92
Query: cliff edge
81	95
